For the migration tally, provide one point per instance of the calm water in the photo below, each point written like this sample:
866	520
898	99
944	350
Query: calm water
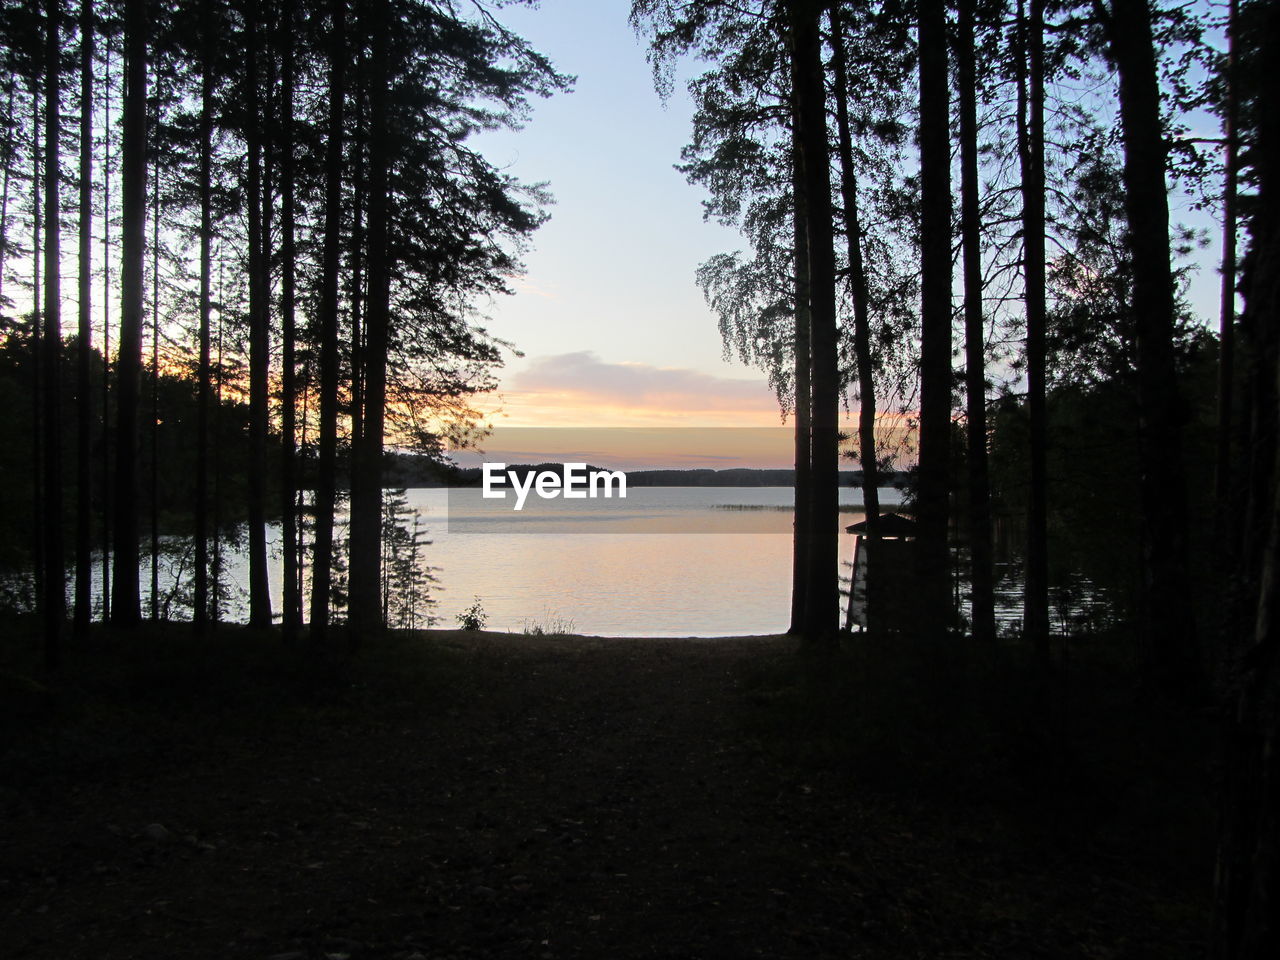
622	568
607	567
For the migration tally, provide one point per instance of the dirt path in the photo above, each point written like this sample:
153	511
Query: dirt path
564	798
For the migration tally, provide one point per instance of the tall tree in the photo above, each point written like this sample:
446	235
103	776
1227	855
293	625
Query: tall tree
200	608
1030	61
55	598
6	159
37	350
1248	868
366	479
1168	620
1227	310
933	481
858	288
809	93
125	604
442	223
259	326
327	310
803	362
981	570
106	330
84	346
292	602
153	424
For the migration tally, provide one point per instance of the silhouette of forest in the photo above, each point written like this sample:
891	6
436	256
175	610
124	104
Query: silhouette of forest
243	253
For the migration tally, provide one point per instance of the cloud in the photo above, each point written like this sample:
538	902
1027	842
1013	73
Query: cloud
583	380
523	284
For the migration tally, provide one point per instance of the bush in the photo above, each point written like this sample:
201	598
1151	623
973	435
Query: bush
474	617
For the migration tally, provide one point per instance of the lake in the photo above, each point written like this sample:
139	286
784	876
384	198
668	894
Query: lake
666	561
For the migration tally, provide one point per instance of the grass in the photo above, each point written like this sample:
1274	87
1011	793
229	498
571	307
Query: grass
1071	757
996	800
550	625
1064	757
133	698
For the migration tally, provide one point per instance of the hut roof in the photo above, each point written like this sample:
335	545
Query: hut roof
888	525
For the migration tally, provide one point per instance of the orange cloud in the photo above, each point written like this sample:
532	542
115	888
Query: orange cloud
580	389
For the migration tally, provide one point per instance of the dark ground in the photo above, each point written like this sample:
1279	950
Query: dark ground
488	795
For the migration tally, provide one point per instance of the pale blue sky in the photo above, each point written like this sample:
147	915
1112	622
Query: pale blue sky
612	273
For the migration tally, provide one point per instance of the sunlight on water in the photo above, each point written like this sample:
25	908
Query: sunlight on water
627	568
605	567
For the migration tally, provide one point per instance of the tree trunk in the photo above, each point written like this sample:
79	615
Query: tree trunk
1248	869
215	573
106	330
292	617
55	597
933	481
259	340
802	522
1227	312
10	125
858	289
153	431
125	608
358	251
366	480
37	354
327	466
84	349
1035	606
981	570
200	611
822	609
1169	625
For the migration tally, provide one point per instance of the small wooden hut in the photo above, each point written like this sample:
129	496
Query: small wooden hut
892	551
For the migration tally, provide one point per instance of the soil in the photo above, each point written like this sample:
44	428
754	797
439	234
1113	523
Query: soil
548	797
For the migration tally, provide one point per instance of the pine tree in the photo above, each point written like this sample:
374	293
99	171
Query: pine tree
982	603
1035	615
809	92
204	374
327	465
366	480
55	598
1168	621
125	603
84	346
858	289
933	481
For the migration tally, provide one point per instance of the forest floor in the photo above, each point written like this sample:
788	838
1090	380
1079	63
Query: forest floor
467	795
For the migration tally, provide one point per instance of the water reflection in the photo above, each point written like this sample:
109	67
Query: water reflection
665	562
